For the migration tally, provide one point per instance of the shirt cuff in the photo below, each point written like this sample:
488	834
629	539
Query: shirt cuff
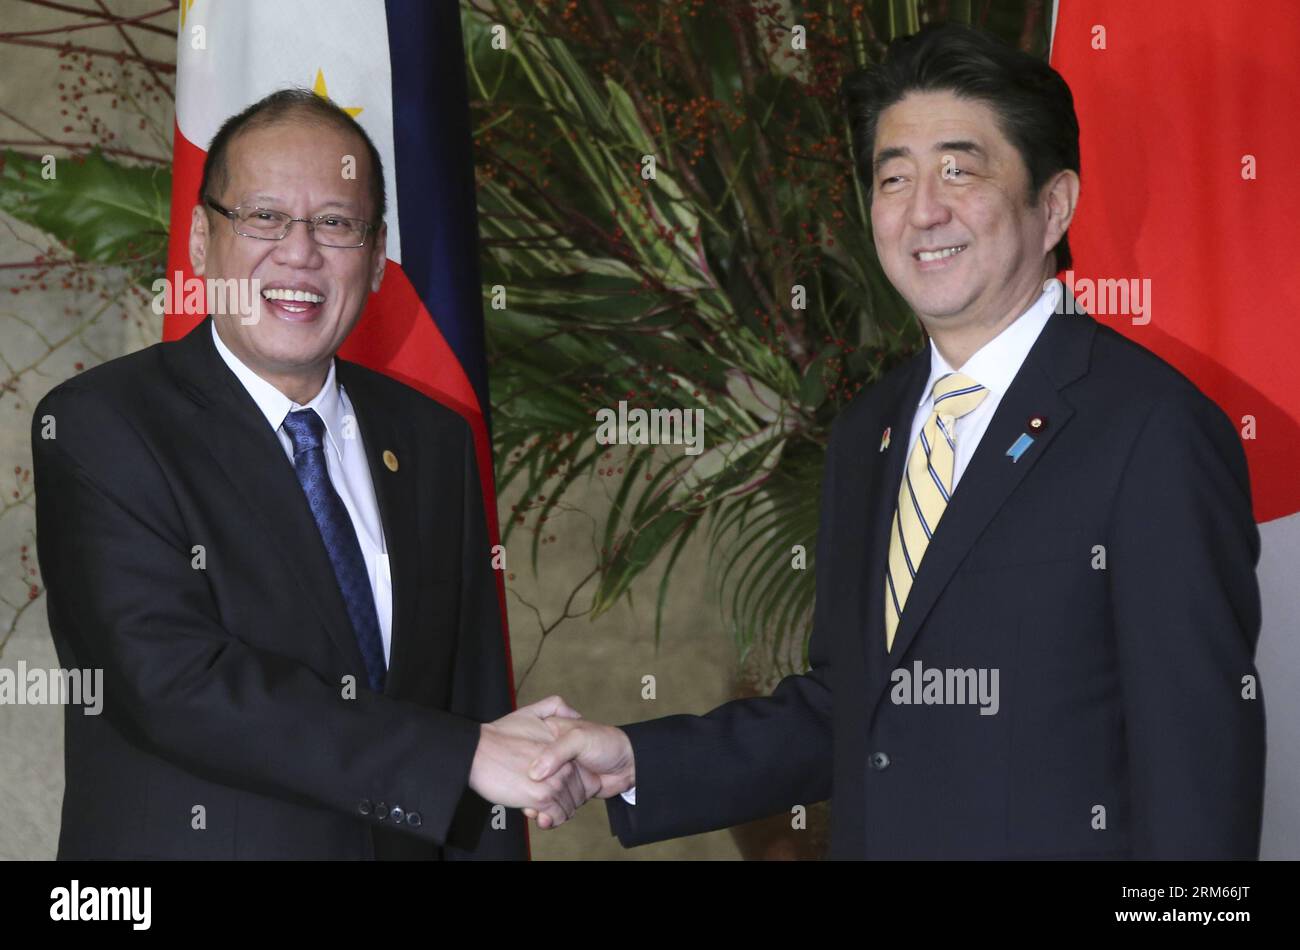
630	795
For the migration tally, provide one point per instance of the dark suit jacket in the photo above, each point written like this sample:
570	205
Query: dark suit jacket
223	684
1122	730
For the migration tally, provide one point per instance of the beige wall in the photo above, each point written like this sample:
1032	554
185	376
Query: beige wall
598	665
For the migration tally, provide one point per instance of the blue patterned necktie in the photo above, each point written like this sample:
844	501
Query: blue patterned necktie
306	429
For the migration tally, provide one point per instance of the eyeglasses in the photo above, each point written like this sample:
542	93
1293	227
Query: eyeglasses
266	224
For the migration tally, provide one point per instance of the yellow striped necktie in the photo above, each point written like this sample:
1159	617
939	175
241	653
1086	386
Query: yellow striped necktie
924	492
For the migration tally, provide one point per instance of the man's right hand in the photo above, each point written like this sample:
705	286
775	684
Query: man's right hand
508	746
603	755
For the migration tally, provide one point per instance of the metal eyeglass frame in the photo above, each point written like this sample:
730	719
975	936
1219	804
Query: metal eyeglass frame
233	215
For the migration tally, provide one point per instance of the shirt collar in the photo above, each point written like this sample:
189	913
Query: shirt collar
995	364
275	405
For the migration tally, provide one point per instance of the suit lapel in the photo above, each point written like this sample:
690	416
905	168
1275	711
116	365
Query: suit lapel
243	447
383	430
1058	356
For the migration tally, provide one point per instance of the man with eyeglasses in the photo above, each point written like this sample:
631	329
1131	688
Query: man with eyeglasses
279	558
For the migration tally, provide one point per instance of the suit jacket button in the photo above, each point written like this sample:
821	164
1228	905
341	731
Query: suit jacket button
879	761
397	814
381	811
413	819
365	807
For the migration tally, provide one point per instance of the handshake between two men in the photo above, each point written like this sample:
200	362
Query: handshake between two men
547	760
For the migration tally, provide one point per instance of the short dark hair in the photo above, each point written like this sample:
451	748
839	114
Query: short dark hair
1030	98
285	104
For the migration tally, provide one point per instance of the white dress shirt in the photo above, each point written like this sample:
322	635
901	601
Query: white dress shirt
994	365
345	461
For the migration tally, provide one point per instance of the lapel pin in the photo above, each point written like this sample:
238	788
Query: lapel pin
884	439
1018	447
390	460
1037	424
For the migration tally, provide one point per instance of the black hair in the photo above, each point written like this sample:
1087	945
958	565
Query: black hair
283	104
1031	99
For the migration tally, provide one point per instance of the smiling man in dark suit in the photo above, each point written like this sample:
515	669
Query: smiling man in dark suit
1037	609
279	558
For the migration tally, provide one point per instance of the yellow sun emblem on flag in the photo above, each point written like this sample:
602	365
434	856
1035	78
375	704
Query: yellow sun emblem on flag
318	87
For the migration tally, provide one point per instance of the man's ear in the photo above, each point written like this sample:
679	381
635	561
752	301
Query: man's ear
198	240
379	257
1060	196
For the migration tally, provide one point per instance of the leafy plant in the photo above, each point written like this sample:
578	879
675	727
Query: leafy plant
103	211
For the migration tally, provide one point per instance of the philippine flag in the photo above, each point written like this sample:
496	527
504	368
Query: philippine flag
399	69
1187	134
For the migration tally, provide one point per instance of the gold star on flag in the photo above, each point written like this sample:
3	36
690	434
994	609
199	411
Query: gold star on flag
319	88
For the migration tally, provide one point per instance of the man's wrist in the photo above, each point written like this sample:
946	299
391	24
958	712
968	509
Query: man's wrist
630	776
475	761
